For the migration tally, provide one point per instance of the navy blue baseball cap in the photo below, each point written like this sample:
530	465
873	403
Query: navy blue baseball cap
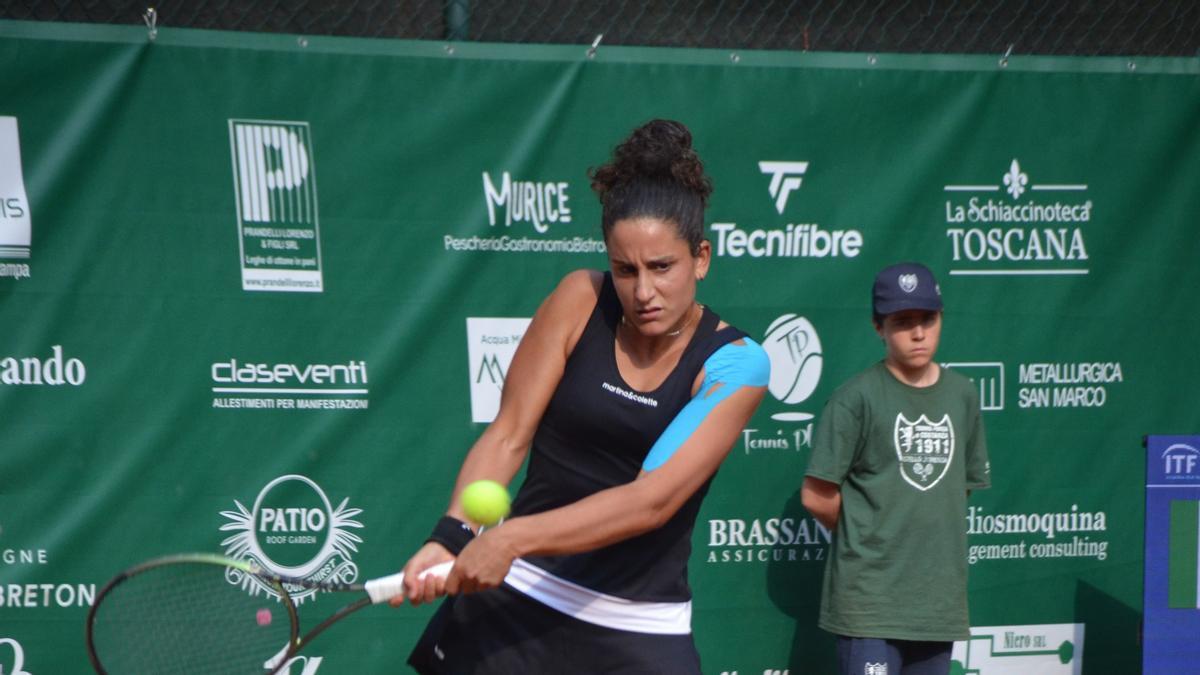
904	286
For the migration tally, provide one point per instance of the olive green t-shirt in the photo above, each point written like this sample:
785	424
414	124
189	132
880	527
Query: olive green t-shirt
904	457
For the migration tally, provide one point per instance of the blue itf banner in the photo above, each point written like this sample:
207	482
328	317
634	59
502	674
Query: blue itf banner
1172	604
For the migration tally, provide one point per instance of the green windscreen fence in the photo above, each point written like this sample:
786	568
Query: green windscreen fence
259	294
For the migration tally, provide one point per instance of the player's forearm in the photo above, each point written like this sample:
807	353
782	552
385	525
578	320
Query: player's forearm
495	456
593	522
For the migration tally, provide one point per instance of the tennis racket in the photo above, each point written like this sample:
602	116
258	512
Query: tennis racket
193	613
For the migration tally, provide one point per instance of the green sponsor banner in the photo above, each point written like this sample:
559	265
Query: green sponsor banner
206	348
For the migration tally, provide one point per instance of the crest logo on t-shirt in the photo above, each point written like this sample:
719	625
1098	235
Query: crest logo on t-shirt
925	449
875	668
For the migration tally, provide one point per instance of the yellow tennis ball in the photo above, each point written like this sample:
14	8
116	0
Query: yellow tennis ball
485	502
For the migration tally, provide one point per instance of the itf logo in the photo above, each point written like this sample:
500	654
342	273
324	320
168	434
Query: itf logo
491	344
276	191
1181	462
785	177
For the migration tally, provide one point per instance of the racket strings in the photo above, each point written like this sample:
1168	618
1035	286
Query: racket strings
187	618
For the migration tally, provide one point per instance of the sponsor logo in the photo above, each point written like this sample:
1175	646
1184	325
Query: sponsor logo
792	240
629	395
763	540
16	227
17	664
35	595
1067	385
1052	649
491	344
275	187
307	665
290	386
794	349
292	529
988	377
540	204
1181	462
1042	535
1022	234
55	370
925	449
785	177
23	556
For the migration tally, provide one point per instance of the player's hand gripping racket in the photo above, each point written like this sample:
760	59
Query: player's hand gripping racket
182	614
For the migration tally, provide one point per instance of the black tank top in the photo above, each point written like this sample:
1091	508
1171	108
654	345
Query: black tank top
595	434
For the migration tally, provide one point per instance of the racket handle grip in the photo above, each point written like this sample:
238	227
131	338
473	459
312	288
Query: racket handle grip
386	588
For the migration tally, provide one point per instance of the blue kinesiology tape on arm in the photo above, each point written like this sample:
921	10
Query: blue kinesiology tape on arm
730	368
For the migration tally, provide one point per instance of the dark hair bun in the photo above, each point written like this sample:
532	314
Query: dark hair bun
659	150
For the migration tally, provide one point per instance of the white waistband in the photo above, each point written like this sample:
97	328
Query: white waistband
661	618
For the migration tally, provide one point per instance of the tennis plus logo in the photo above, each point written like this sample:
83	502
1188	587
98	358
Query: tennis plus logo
1021	234
794	349
925	449
15	225
292	530
785	177
491	344
275	187
17	666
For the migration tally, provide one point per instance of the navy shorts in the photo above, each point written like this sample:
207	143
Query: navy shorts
874	656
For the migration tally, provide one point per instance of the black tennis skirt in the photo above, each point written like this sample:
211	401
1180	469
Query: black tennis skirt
503	631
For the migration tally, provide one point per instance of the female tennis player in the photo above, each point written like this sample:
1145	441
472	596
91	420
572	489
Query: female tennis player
630	393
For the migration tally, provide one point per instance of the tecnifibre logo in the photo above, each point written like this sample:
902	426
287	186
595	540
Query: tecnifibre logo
15	226
792	240
275	186
785	177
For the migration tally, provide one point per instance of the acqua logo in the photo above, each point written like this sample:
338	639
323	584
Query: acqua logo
293	530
